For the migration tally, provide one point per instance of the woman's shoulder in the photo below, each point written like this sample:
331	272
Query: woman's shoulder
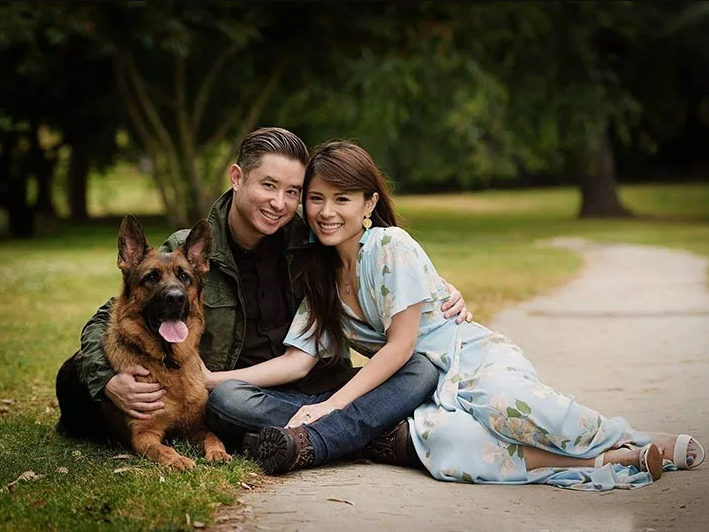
384	236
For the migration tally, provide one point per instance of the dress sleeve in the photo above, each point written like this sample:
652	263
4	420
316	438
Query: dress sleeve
403	275
305	340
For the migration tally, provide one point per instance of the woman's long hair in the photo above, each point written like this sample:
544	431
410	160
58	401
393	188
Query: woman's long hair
348	167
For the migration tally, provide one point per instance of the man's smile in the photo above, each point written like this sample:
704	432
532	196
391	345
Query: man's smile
270	216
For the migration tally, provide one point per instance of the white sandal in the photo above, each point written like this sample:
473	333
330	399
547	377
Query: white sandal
650	459
679	456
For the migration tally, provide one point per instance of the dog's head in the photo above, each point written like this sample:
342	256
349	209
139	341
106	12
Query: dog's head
165	287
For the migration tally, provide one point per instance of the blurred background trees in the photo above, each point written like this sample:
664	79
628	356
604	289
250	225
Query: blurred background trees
447	96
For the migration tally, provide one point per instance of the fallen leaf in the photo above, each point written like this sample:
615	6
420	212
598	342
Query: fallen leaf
198	524
4	410
76	453
255	475
161	479
333	499
122	457
124	469
38	504
62	469
8	401
245	486
187	518
30	475
27	476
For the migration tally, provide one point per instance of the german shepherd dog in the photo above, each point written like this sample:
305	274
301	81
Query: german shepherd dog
157	322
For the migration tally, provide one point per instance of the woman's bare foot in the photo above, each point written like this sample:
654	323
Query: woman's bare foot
666	444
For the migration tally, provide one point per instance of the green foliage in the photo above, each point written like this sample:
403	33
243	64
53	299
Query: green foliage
445	95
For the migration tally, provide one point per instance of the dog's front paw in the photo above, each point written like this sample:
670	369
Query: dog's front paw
181	463
217	455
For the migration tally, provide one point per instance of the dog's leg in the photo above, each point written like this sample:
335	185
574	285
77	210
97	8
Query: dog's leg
149	443
214	450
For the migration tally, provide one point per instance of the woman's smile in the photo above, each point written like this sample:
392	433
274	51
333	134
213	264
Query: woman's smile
329	227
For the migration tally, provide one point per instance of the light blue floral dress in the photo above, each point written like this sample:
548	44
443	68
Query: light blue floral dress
489	403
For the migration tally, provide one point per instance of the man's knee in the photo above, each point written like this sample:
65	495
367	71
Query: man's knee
235	401
421	373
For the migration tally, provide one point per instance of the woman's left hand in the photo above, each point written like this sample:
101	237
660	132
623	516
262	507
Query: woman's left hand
455	306
309	414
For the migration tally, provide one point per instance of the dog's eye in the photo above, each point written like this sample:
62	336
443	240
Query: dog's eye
183	276
151	277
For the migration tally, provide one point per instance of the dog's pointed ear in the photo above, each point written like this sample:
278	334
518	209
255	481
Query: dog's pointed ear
132	244
198	245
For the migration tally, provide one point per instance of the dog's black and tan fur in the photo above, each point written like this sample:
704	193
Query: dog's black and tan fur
159	287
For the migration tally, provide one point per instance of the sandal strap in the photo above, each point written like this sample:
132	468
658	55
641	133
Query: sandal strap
679	456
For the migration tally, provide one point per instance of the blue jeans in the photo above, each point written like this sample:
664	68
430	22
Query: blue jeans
236	407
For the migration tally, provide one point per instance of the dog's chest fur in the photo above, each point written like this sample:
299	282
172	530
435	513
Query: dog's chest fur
128	343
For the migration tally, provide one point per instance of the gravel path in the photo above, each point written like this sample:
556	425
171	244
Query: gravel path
628	336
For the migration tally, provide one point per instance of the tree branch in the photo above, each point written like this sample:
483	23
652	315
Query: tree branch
151	113
124	71
187	140
206	86
249	121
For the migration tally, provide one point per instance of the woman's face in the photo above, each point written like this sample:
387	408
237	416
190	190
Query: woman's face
336	215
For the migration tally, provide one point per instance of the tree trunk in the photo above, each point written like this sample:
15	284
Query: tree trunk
597	179
43	162
13	181
78	175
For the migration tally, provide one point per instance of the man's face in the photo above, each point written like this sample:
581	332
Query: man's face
266	198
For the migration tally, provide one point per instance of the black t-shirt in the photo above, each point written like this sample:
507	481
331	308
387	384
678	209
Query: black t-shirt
265	286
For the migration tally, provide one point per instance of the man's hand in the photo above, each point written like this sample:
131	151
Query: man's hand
137	399
456	306
309	414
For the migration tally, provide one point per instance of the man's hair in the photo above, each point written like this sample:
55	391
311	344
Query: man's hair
270	140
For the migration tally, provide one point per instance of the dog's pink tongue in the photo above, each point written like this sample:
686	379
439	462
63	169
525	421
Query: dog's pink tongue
173	331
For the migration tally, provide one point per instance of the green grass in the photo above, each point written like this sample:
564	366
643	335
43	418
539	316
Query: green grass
51	286
486	243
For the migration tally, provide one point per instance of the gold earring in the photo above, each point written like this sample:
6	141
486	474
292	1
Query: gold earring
367	223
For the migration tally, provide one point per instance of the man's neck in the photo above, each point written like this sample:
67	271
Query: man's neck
239	236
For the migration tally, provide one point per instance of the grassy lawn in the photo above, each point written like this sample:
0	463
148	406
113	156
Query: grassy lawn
487	244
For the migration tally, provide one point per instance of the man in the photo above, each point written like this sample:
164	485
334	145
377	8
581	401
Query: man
251	293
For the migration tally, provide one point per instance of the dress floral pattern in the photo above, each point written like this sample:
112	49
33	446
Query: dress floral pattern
489	404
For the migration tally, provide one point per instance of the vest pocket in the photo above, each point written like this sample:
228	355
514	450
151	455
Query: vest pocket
220	308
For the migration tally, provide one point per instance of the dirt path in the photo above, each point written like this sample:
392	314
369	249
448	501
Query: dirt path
629	336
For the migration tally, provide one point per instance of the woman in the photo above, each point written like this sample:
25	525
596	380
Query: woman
490	419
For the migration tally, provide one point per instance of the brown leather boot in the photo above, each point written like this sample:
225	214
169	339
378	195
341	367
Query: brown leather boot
394	447
280	450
